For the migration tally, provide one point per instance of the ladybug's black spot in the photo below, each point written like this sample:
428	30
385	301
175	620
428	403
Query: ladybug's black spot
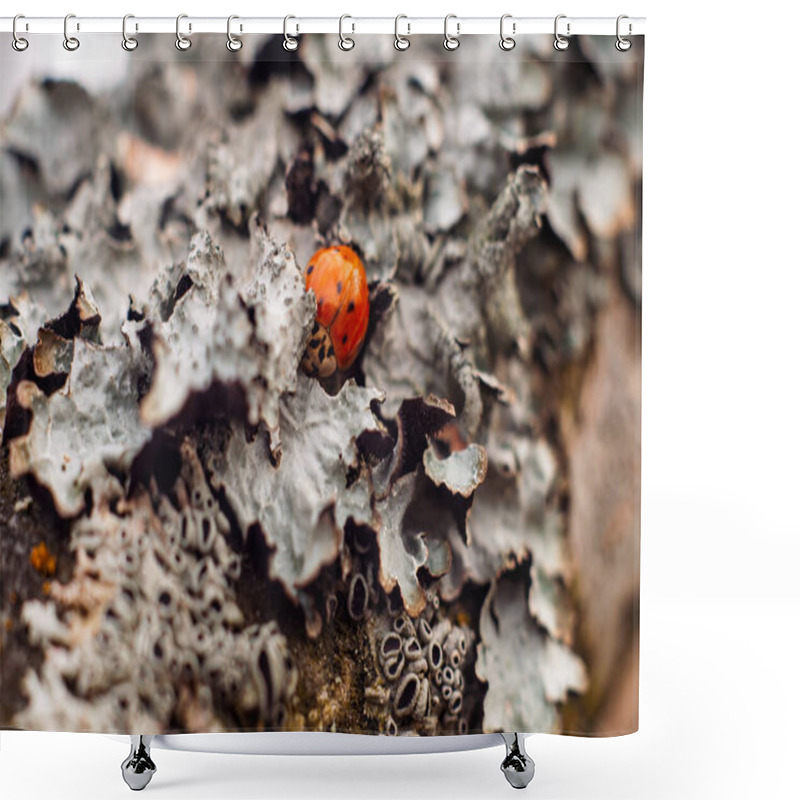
310	269
339	287
314	342
344	339
322	351
330	351
351	306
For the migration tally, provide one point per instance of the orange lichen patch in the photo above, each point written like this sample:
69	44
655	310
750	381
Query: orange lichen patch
43	561
46	587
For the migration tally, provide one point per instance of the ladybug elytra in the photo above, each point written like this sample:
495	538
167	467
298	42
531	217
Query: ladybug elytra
339	282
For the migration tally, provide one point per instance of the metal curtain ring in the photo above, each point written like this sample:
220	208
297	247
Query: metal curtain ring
507	42
622	44
401	42
561	42
233	44
289	42
18	42
451	42
70	42
181	42
345	42
129	43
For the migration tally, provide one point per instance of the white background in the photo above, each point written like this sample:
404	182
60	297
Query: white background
720	610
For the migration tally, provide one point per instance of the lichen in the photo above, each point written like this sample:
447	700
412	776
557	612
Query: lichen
301	497
86	435
402	551
42	560
12	343
461	472
45	106
147	635
214	325
541	680
422	682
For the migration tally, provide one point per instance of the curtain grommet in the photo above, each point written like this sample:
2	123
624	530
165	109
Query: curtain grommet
507	42
560	42
19	43
71	43
451	42
129	43
182	42
401	43
346	43
234	44
622	44
290	44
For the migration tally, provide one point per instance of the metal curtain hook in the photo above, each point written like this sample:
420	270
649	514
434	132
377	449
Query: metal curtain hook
70	42
290	44
345	42
560	42
233	44
451	42
401	42
129	43
181	42
18	42
507	42
622	44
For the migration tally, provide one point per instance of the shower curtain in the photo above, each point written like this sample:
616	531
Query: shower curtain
320	385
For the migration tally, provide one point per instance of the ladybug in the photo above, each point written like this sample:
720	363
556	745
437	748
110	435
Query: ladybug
337	278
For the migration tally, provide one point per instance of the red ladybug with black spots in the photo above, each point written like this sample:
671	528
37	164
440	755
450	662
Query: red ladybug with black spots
339	282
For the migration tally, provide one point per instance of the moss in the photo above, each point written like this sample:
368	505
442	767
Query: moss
333	672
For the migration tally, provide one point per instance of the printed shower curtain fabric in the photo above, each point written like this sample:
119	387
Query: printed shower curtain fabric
320	386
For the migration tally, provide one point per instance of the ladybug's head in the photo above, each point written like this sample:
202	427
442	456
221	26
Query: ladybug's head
319	360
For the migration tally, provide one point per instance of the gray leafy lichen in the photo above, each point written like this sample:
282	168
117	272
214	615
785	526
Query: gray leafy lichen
87	433
252	549
303	500
12	343
462	472
254	324
148	633
542	678
402	551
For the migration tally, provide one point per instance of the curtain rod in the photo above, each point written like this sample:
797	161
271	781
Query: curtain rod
460	26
